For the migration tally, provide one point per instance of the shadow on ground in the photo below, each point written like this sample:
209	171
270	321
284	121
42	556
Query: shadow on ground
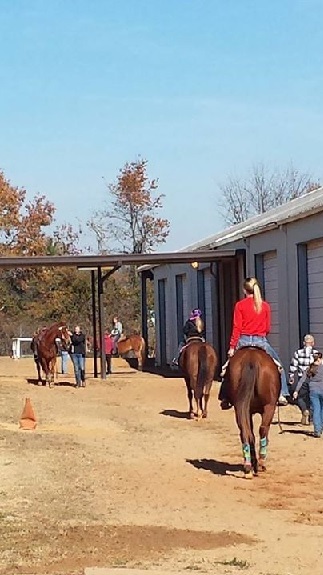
34	381
175	413
216	467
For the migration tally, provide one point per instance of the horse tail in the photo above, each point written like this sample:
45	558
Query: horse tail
202	371
246	391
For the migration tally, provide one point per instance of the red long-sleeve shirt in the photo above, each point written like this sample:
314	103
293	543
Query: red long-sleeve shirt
246	321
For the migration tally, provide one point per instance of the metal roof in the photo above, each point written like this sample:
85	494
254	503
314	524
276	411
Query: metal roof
306	205
112	260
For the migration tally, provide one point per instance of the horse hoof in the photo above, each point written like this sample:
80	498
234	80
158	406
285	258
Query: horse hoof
248	474
262	465
204	415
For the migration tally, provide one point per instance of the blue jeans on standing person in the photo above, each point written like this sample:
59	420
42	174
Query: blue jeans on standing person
64	360
78	363
316	398
258	341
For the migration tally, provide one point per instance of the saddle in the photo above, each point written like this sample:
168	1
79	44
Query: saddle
276	362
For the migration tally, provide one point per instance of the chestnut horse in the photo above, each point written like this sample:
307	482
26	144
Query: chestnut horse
45	350
252	384
134	343
199	362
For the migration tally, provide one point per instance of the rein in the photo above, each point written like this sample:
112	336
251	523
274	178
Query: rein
278	419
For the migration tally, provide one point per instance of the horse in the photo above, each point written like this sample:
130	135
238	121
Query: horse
199	362
45	350
134	343
252	384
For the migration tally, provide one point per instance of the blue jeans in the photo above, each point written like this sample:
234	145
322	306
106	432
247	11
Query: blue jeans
78	363
258	341
64	360
316	398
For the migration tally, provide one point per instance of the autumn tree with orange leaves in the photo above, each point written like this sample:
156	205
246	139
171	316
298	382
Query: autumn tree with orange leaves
130	222
36	296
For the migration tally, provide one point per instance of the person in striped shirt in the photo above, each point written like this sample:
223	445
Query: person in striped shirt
300	362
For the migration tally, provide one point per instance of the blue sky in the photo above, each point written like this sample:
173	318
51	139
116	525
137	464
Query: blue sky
203	89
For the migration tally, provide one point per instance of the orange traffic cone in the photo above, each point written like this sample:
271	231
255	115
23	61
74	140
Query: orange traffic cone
28	419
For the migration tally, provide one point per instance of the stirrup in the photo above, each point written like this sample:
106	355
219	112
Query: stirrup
225	404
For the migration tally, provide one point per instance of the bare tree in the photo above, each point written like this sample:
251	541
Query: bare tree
261	191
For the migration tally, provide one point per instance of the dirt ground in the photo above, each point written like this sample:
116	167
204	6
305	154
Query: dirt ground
115	475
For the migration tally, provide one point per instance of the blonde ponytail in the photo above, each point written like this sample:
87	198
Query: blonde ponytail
199	324
252	287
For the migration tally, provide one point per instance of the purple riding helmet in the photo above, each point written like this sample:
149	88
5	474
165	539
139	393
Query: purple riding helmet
195	313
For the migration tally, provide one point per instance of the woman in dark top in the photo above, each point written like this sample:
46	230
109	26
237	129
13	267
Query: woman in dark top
194	327
77	351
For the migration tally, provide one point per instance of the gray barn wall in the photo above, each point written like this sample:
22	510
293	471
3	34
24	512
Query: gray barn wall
284	241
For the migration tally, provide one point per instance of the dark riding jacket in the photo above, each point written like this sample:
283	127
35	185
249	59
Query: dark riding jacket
78	343
190	330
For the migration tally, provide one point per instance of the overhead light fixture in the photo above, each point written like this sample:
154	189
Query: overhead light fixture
87	269
195	265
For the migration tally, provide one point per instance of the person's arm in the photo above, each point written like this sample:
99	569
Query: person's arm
236	330
268	320
293	368
299	384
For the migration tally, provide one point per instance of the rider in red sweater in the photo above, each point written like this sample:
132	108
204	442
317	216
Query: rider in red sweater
251	324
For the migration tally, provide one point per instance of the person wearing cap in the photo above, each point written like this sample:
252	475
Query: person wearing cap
193	327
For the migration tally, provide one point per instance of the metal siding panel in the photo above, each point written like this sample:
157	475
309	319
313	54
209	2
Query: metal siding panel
315	289
271	290
208	305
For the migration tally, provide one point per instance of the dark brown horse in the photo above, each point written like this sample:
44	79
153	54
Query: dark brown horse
252	384
199	362
45	350
134	343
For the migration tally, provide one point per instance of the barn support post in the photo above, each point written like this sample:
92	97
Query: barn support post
94	326
145	276
101	324
101	280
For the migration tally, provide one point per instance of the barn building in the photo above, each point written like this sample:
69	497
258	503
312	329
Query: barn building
283	248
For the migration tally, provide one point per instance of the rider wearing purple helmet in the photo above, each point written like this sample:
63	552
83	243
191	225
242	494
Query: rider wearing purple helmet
194	327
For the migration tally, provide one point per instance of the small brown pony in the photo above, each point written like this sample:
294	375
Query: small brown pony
134	343
45	350
199	362
252	384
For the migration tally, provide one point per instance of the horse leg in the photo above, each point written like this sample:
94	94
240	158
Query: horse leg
190	398
39	380
266	420
139	358
246	450
198	403
206	399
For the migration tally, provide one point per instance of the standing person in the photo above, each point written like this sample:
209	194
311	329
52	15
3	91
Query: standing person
108	343
64	360
77	352
116	333
314	376
300	362
193	327
251	325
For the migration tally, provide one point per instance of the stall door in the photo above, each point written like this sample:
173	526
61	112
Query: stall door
162	319
270	279
315	290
